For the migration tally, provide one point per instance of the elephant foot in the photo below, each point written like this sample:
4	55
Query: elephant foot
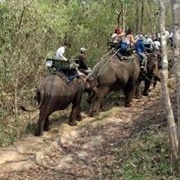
88	100
38	133
79	118
92	114
72	123
116	103
138	96
128	105
46	129
145	94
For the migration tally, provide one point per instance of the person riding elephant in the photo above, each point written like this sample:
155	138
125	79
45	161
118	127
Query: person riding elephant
127	41
140	50
148	44
53	94
61	51
81	62
114	75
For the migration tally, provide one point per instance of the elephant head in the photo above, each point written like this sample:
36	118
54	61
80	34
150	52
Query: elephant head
152	66
90	81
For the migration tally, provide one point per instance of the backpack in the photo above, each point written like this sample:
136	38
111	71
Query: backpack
123	45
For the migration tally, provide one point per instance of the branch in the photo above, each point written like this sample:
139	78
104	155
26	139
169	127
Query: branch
115	9
21	18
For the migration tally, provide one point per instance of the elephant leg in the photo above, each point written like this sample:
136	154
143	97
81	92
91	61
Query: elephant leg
78	115
97	104
46	125
147	87
41	122
73	116
101	106
76	110
90	97
138	90
129	92
156	79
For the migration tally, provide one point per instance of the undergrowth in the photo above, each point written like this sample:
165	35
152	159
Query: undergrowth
147	157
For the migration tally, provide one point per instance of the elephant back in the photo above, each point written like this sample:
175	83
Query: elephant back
114	64
99	65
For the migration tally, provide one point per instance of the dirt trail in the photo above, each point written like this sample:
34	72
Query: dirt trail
54	150
29	150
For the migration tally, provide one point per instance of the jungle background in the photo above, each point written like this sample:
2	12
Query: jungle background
31	31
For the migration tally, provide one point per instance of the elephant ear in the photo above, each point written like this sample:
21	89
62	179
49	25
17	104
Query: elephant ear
92	80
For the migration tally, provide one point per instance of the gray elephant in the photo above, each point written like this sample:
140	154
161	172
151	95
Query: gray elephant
54	94
151	74
114	74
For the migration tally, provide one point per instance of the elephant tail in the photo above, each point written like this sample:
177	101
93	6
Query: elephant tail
28	110
39	98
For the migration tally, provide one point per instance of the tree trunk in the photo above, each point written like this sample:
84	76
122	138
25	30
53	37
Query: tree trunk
137	19
164	87
123	10
142	15
151	16
175	7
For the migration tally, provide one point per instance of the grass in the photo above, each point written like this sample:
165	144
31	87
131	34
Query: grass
148	157
9	132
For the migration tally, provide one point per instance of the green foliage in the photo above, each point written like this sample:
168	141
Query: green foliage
32	30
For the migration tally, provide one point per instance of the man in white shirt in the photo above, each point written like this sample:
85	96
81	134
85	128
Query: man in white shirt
149	40
157	45
61	51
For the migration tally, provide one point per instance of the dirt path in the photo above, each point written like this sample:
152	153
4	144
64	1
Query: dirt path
67	152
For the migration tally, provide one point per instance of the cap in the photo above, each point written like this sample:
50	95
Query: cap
83	49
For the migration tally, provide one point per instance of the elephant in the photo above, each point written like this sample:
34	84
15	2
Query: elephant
53	94
152	74
114	74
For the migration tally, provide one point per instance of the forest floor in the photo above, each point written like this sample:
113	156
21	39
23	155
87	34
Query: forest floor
120	143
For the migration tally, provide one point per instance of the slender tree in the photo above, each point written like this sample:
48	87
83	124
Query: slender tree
137	19
164	87
175	7
120	14
142	15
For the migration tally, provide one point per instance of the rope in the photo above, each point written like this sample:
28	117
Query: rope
105	54
107	61
145	76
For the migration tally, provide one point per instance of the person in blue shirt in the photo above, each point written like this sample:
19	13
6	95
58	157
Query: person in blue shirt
140	50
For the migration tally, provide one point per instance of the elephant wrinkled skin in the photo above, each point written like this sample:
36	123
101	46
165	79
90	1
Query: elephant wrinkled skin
113	75
151	74
54	94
